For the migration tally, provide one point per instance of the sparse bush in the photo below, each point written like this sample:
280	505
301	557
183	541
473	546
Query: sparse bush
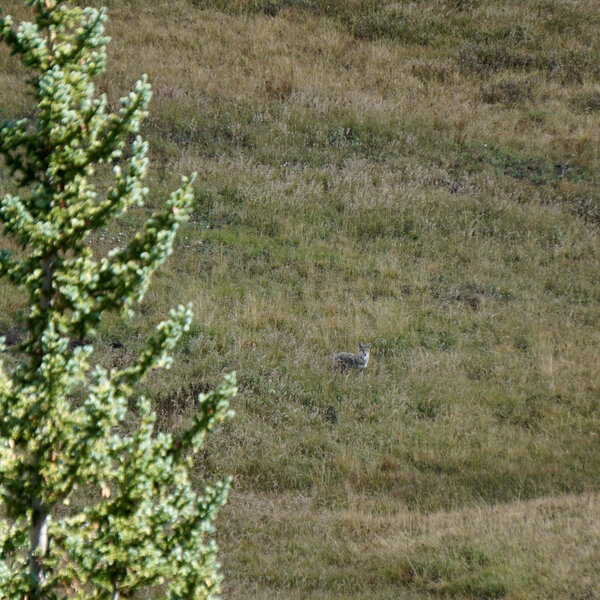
587	102
280	88
463	5
508	92
395	26
426	71
491	58
586	206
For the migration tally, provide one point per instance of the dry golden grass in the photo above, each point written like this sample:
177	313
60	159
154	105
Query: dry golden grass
431	188
288	547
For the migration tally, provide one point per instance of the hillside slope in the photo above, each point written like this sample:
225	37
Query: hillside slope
420	176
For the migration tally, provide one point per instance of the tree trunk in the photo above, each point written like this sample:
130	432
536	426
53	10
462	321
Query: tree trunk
48	271
38	531
38	542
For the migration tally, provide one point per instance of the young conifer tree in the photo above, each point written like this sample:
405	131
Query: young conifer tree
86	510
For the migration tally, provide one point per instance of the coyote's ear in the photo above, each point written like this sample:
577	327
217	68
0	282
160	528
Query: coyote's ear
360	346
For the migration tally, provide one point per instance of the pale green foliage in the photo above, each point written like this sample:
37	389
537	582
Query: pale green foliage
142	523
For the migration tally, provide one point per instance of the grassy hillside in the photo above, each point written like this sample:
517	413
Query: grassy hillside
421	176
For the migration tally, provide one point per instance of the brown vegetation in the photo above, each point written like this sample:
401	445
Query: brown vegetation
420	175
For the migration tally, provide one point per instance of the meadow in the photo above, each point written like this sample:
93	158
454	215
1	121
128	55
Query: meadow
422	176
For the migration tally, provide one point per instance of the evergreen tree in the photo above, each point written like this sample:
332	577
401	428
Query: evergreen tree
136	520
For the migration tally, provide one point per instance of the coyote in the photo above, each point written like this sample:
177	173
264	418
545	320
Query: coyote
345	360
